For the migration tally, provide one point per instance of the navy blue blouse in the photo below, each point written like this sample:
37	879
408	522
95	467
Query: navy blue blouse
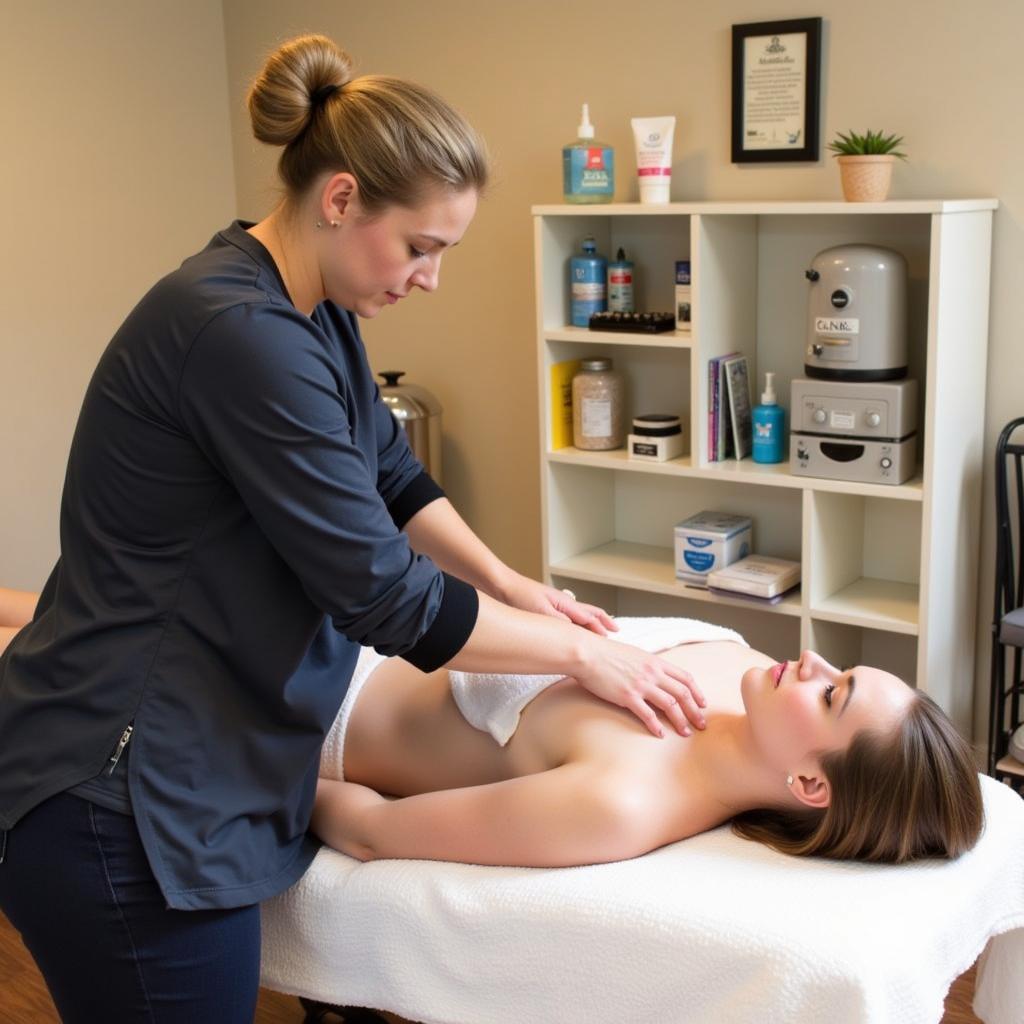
230	533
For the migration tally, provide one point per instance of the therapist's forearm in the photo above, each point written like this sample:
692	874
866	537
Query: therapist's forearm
506	639
440	533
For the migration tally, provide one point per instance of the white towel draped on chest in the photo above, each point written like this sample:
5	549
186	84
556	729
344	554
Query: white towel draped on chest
493	703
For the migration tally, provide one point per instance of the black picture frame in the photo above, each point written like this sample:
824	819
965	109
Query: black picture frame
809	131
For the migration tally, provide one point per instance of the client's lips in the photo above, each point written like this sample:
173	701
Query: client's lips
777	672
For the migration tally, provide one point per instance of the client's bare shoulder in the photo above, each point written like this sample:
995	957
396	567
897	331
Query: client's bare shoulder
664	786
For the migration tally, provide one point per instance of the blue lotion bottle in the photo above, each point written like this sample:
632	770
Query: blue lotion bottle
588	283
769	425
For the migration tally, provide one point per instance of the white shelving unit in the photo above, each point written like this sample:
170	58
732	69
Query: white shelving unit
889	573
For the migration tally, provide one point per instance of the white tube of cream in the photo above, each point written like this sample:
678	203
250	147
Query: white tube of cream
653	138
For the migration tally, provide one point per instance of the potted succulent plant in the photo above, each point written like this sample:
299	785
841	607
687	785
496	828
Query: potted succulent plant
865	164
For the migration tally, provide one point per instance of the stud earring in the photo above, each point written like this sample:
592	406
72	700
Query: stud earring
319	224
334	223
789	780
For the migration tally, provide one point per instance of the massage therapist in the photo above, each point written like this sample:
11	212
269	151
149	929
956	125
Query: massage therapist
240	513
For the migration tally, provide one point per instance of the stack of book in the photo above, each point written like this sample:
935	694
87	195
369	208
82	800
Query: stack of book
730	432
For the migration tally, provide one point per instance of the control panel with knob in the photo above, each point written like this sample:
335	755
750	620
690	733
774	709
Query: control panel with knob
883	409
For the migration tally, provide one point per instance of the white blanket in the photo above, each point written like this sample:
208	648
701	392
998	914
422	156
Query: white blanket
713	928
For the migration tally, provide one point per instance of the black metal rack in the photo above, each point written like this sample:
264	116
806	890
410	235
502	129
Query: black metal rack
1008	608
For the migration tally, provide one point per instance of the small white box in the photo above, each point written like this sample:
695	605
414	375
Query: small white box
654	449
709	541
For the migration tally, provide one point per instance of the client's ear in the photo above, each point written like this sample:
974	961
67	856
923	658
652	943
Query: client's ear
812	790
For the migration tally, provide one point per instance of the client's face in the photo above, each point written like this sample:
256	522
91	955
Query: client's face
800	709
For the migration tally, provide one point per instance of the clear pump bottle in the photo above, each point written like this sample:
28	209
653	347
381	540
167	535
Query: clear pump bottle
588	166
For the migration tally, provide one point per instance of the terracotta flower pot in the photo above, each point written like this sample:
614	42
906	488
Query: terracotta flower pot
865	179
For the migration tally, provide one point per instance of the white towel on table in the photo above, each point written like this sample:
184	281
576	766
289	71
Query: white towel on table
493	702
713	928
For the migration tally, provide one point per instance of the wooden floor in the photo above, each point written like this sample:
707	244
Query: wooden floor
24	999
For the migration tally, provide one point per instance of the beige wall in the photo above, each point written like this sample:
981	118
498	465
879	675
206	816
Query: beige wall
124	166
116	165
945	74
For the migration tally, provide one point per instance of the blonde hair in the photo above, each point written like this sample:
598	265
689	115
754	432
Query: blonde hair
895	797
397	139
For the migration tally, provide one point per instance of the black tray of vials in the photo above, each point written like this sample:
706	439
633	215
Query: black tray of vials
643	323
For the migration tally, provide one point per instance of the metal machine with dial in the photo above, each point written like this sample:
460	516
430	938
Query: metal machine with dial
864	431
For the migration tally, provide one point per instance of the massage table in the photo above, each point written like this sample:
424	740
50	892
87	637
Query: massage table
711	929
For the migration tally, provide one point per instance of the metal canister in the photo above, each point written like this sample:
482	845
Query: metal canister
419	413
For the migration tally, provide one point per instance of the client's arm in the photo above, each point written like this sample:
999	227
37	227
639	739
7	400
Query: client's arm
573	814
16	610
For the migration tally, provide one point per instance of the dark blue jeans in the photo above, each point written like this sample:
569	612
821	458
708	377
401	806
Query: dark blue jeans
76	883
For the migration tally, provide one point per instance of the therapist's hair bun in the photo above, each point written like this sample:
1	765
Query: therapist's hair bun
397	139
299	79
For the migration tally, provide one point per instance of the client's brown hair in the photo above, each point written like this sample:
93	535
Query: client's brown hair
896	797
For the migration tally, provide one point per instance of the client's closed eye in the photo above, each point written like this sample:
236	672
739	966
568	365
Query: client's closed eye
829	690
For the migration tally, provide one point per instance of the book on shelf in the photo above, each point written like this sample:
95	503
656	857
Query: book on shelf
756	576
739	409
720	442
561	402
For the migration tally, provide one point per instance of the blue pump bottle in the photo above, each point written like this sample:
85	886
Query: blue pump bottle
769	425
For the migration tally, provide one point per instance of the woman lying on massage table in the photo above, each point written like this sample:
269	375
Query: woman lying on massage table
803	756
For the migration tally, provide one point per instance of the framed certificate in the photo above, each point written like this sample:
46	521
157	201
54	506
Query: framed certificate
776	86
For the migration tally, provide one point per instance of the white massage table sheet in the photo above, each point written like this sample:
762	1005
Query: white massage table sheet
714	928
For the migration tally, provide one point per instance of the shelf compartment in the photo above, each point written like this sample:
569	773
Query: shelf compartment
656	378
845	646
863	561
585	336
587	511
880	604
653	245
651	568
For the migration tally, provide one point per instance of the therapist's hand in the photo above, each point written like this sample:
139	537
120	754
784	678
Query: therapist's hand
640	682
531	596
